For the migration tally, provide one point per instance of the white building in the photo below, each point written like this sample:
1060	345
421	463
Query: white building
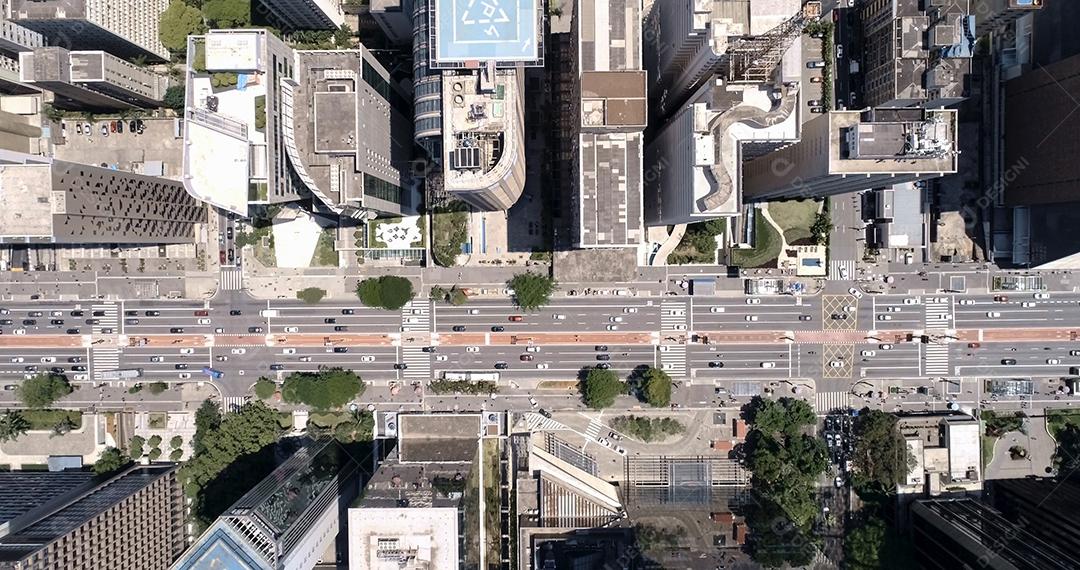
424	538
124	28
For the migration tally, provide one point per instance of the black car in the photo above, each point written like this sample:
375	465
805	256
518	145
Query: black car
99	313
544	413
501	366
600	348
78	368
498	328
133	126
176	330
255	329
277	367
340	349
400	366
603	366
341	328
1008	361
131	313
30	368
35	313
131	321
603	357
57	370
458	328
805	318
73	331
839	316
180	366
7	322
29	322
329	321
56	322
348	312
74	359
76	313
234	313
716	364
228	233
429	349
106	331
152	313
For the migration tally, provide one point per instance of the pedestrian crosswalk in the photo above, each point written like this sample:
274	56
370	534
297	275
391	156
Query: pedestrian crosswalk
107	316
935	359
232	279
593	431
825	402
233	403
673	315
103	358
417	362
673	359
938	312
835	265
416	316
537	422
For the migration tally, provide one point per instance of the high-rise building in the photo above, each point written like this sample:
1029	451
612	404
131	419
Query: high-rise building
15	39
427	87
849	151
91	79
134	519
995	15
52	201
394	18
1045	506
288	521
26	493
124	28
305	14
964	533
915	53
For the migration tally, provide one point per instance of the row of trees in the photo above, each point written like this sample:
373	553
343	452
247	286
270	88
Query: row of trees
326	389
390	292
600	387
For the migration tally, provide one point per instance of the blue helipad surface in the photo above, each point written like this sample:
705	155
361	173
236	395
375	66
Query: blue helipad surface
501	30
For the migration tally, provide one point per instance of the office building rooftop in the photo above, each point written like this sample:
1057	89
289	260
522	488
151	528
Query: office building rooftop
25	491
885	140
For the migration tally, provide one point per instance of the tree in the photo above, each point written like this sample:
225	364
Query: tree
111	461
388	292
531	290
227	13
821	228
458	297
44	389
135	446
311	295
179	21
176	454
359	427
176	442
154	454
343	36
154	441
63	426
265	388
12	425
324	390
881	454
863	544
174	98
157	387
656	388
1067	454
207	419
438	293
600	388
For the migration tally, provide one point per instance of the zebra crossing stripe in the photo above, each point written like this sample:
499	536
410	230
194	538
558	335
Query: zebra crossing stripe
825	402
232	279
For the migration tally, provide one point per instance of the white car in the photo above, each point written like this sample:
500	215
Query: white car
80	376
993	314
472	349
663	347
185	375
239	351
288	351
292	329
187	351
629	309
204	321
911	301
753	301
367	358
305	359
843	273
679	327
18	359
944	317
532	349
474	311
716	309
1053	361
157	359
855	292
541	366
750	318
836	364
1074	353
533	402
768	365
412	320
440	358
1041	296
559	317
20	331
850	308
219	330
885	346
57	313
893	309
620	450
48	359
616	319
1027	304
967	302
868	353
613	327
884	317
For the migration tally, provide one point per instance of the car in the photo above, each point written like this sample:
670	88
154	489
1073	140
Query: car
112	126
133	126
532	349
679	327
74	359
341	328
884	347
603	366
629	309
202	313
305	359
838	317
751	318
458	328
238	351
222	258
559	317
441	357
17	359
1027	304
601	348
620	450
29	322
219	330
341	349
839	51
232	255
56	322
221	358
204	321
131	321
288	351
255	329
56	313
472	349
157	359
367	358
602	441
348	311
190	351
498	328
542	366
843	272
813	103
868	353
1001	298
30	368
120	126
147	313
187	375
613	327
664	348
40	314
1074	353
10	387
884	317
716	364
816	79
473	311
1008	361
514	318
944	316
329	321
855	292
6	322
180	366
993	314
1041	296
174	330
753	301
501	365
815	64
69	331
768	365
525	357
430	349
277	367
603	356
235	313
716	309
106	330
836	364
891	309
615	319
911	301
228	232
1053	361
48	359
292	329
805	318
967	301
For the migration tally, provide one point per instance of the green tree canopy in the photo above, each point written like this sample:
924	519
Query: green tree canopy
343	37
359	427
881	454
12	425
821	228
532	290
154	441
42	390
207	419
388	292
174	98
783	415
227	13
311	294
324	390
179	21
111	461
157	387
863	545
600	388
1067	454
656	388
265	388
176	441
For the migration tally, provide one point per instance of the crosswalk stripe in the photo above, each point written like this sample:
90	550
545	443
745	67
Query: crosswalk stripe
537	422
232	403
825	402
232	279
936	360
421	312
593	431
418	362
836	264
673	360
934	310
673	315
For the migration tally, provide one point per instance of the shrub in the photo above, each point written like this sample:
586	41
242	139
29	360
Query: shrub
154	441
387	292
176	442
265	388
311	295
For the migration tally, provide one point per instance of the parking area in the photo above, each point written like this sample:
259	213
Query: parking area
128	151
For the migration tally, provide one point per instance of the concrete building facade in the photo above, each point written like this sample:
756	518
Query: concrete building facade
15	39
394	18
110	524
92	79
305	14
996	15
124	28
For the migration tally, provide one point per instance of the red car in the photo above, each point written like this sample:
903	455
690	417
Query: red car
222	256
974	345
515	318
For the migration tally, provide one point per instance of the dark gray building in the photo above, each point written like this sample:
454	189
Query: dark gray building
91	79
26	491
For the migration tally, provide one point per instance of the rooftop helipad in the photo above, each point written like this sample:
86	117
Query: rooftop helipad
485	30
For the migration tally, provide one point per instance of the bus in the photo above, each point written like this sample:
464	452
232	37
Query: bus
472	376
121	374
212	373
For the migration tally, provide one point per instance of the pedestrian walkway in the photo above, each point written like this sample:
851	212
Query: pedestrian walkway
673	316
537	422
109	321
934	311
825	402
834	269
417	361
232	279
593	431
416	316
935	359
103	358
673	360
233	403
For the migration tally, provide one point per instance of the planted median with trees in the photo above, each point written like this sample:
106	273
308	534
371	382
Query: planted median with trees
387	292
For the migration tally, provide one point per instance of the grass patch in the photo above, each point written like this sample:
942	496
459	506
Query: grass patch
492	498
325	255
46	419
698	244
449	232
1056	420
795	218
558	385
986	445
158	420
327	419
766	248
647	429
285	420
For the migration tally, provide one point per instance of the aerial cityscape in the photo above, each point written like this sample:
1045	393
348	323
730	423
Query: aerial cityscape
539	284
